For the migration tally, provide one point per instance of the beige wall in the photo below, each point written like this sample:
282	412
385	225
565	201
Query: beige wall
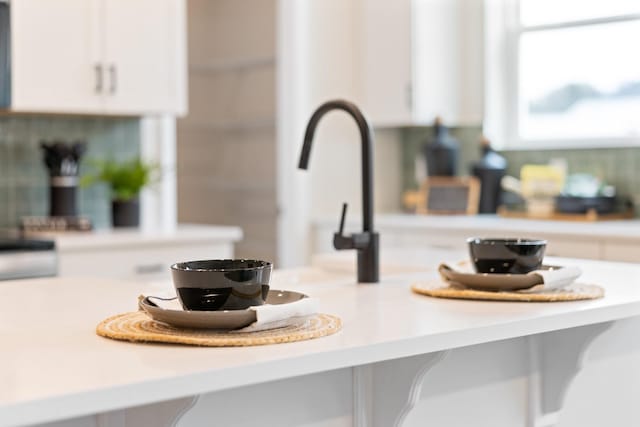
226	145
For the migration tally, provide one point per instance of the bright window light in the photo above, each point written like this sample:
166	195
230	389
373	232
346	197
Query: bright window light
580	82
563	73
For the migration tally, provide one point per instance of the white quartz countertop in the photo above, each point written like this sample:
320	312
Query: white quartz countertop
53	365
130	237
487	224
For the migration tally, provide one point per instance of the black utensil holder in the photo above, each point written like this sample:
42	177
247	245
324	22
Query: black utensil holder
62	195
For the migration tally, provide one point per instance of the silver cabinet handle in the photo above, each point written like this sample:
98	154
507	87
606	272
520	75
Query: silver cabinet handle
99	78
113	77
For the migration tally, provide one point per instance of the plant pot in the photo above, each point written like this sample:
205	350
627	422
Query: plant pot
125	213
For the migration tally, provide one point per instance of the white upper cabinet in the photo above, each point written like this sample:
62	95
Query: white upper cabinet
144	56
55	57
119	57
422	59
386	61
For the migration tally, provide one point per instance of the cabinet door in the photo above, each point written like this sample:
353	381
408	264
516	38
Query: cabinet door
422	59
448	61
55	56
145	56
386	62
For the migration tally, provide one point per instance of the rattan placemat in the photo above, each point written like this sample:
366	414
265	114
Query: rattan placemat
573	292
139	327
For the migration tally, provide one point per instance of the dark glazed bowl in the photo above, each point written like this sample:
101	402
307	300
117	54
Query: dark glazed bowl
506	256
221	284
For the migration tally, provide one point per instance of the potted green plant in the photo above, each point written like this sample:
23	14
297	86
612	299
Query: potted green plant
126	180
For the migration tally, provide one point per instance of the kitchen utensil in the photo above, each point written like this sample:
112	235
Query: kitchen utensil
221	319
551	277
223	284
514	256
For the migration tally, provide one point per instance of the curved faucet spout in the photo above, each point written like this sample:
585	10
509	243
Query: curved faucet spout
367	242
366	136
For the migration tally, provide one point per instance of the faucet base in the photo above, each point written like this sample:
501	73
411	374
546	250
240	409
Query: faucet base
368	261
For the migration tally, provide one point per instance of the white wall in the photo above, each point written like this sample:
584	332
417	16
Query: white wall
227	143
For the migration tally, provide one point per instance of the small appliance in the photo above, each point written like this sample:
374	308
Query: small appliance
27	258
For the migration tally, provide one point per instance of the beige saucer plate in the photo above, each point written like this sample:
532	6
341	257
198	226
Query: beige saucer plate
491	281
223	319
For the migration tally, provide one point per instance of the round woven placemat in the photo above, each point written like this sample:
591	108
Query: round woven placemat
574	292
139	327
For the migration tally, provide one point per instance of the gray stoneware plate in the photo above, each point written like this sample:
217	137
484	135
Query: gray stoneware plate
491	281
224	319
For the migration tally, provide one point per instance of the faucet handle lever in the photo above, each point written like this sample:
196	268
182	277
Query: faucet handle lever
340	241
342	217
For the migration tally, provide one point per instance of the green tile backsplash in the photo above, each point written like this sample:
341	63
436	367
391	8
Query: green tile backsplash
23	175
617	166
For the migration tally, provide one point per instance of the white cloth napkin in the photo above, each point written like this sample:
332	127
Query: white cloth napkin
271	316
551	277
268	316
555	278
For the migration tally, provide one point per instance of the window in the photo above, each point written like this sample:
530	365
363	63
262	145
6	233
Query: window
571	73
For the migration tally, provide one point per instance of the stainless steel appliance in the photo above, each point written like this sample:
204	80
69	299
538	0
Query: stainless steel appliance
26	258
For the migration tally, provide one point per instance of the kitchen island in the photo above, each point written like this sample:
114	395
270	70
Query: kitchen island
614	240
400	359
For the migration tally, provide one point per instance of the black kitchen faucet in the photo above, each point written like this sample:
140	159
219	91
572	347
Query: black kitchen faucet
367	242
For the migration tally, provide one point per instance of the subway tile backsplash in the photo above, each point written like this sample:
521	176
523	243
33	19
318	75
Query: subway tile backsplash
24	182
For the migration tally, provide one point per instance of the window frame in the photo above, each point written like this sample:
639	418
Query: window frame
503	104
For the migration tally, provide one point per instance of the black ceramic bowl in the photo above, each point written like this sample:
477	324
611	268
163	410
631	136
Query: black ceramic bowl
506	256
221	284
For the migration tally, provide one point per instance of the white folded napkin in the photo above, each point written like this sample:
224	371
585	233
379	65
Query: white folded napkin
554	278
268	316
551	277
271	316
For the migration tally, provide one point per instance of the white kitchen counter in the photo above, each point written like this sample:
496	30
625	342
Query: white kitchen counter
137	254
115	238
55	367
